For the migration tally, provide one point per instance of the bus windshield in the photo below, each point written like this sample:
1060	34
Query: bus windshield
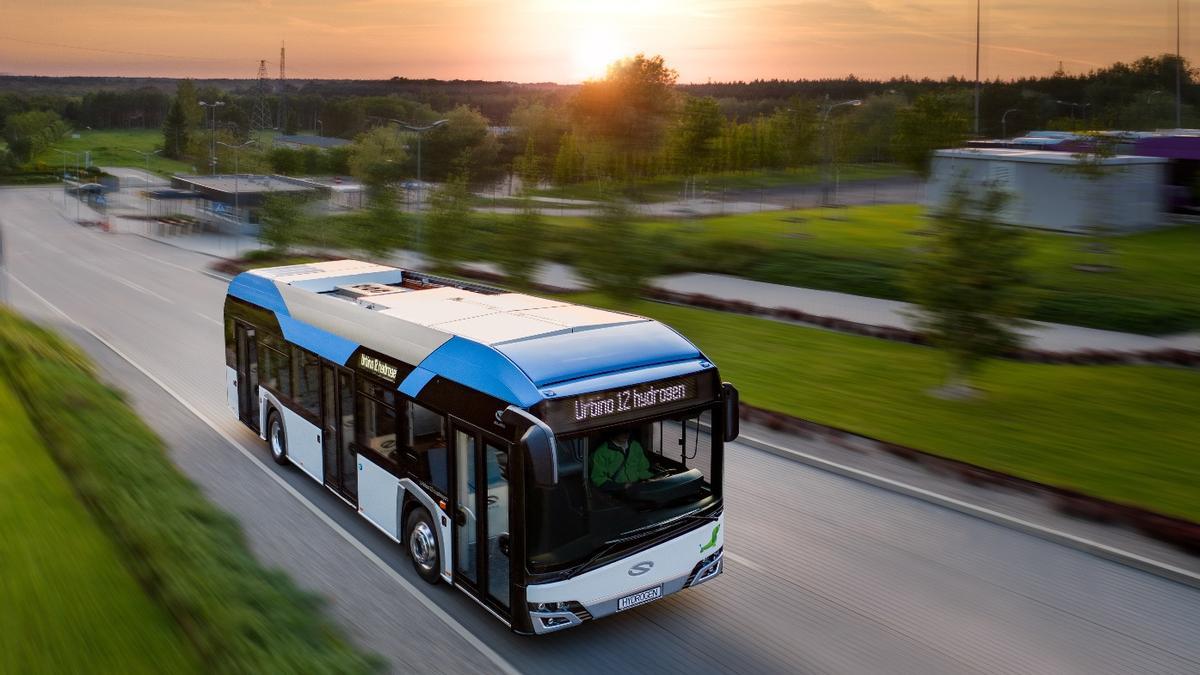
616	483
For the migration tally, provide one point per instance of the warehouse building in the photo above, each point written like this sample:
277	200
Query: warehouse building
1046	192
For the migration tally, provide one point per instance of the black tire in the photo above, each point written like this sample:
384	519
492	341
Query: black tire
423	545
277	438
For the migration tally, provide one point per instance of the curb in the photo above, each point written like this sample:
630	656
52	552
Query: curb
1164	570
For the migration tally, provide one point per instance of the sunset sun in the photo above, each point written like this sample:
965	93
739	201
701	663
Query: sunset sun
595	48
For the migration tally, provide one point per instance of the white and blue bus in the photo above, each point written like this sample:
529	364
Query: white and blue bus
557	463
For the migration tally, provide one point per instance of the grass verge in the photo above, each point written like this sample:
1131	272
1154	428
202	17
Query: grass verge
1123	433
189	556
864	250
70	604
112	147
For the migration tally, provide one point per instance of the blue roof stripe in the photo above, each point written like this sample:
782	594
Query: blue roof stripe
482	368
626	378
258	290
416	381
587	353
320	342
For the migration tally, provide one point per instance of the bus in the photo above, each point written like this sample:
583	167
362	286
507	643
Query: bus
557	463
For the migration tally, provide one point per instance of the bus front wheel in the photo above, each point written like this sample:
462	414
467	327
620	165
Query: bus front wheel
423	545
277	438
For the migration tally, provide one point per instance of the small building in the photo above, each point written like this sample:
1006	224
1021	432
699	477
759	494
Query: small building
1045	193
304	142
237	198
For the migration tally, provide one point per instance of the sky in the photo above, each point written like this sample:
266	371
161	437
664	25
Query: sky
572	40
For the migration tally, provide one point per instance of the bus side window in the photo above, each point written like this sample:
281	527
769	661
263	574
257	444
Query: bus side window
427	442
308	380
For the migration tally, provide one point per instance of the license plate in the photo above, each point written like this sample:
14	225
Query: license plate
639	598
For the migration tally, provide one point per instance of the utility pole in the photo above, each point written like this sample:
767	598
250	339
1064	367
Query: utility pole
237	214
1178	70
978	7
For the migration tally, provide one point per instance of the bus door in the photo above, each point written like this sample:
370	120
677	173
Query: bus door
337	431
481	507
247	374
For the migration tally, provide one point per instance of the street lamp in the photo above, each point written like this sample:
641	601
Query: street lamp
1004	121
237	214
212	143
146	176
826	109
419	131
64	154
1075	106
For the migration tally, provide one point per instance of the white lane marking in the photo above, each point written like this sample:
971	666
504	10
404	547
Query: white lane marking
1111	553
499	661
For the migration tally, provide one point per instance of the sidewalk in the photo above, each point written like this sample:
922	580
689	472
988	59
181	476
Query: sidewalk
890	313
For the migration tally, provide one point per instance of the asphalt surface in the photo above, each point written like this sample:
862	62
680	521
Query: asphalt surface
824	574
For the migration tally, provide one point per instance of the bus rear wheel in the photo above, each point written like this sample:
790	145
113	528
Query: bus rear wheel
277	438
423	545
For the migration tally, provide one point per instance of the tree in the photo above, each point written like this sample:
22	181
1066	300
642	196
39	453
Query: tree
176	132
189	101
377	159
30	133
464	141
448	223
616	257
968	286
1092	165
282	217
932	122
629	111
695	135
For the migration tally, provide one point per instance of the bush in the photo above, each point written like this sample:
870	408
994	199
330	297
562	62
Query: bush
1150	316
190	556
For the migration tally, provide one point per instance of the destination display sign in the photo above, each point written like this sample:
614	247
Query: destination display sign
612	405
377	366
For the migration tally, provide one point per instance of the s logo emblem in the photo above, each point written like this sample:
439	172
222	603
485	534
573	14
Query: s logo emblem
641	568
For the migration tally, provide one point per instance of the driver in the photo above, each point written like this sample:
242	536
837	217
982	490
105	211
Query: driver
620	460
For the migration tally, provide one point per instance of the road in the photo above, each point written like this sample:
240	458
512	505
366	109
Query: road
824	574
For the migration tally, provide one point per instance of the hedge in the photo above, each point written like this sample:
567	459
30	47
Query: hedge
191	557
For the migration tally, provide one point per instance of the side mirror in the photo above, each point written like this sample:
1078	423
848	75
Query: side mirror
543	457
732	410
503	543
538	444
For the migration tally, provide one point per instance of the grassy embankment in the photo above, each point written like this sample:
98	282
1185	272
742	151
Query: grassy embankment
73	602
1123	433
70	603
864	250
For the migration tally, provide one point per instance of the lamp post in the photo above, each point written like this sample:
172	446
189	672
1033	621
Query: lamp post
237	174
64	154
826	109
212	143
146	176
419	131
1004	121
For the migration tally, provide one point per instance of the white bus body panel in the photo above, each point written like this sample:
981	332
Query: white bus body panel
379	497
231	389
303	437
673	562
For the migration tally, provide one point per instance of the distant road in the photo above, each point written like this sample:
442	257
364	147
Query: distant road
825	574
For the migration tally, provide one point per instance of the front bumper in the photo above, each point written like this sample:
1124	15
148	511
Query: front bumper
556	616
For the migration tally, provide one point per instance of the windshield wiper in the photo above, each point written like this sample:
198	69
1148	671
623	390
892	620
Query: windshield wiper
608	546
663	525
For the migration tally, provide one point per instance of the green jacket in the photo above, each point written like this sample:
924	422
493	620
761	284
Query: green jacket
608	458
